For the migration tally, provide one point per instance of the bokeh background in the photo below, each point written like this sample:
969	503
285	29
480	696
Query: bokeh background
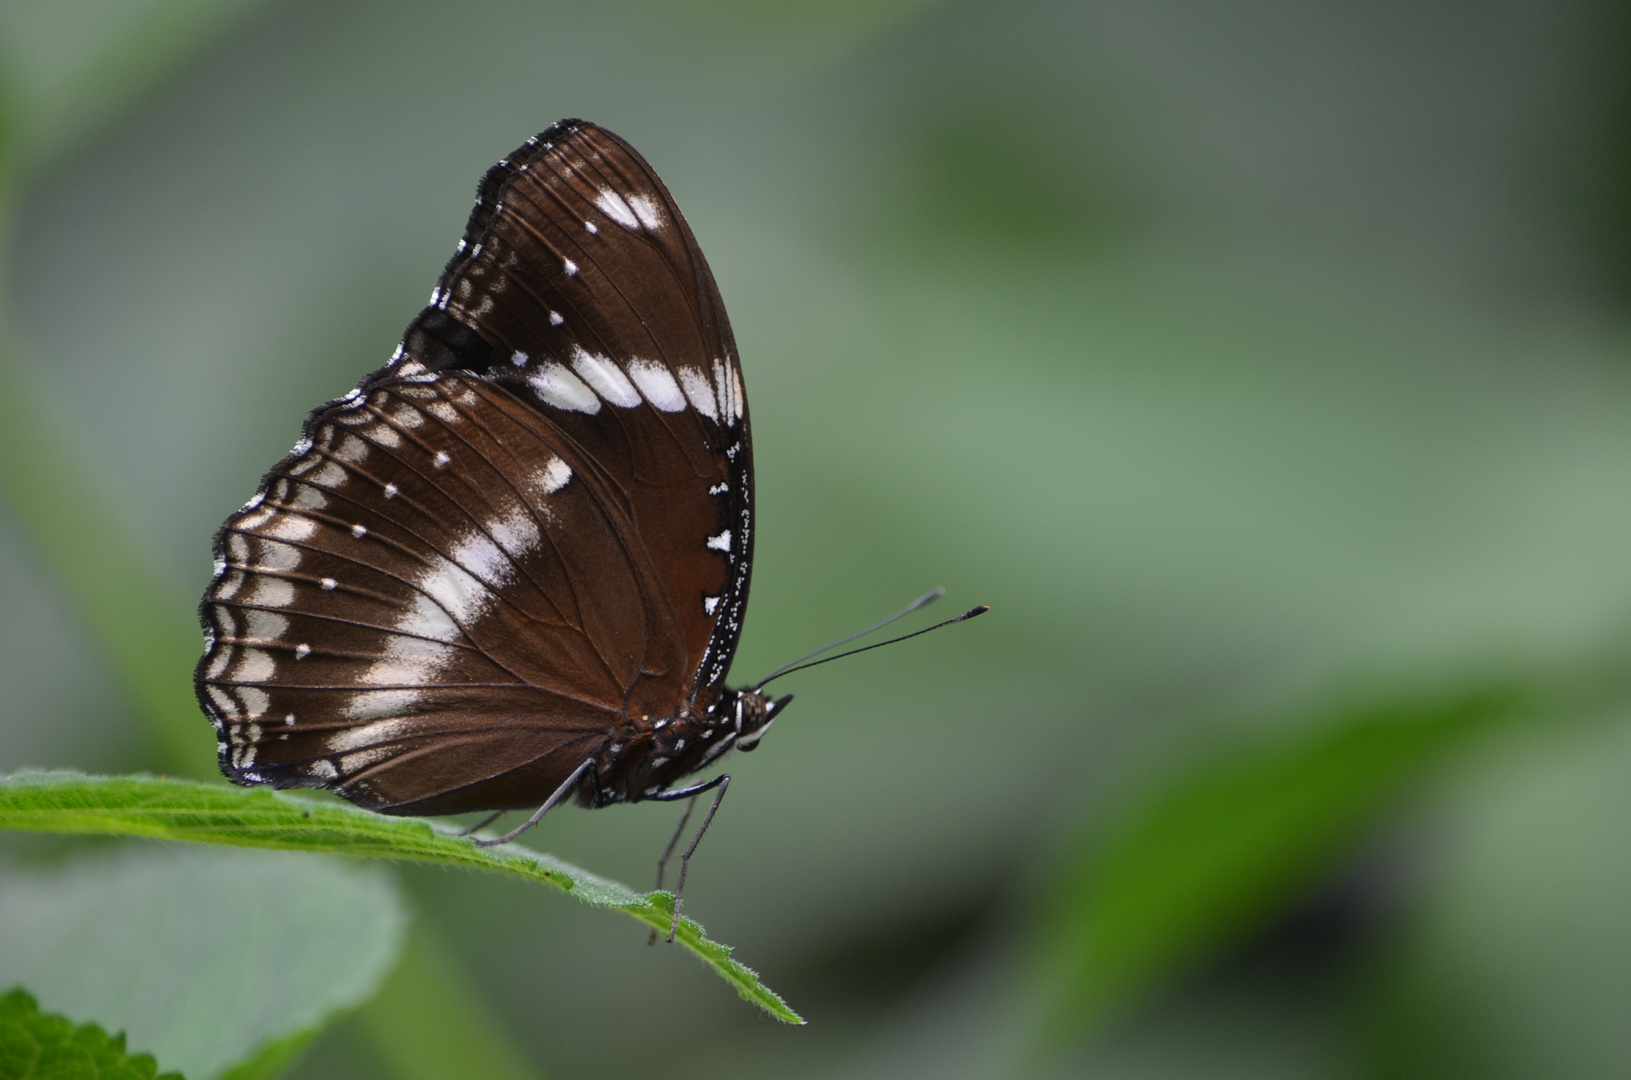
1265	366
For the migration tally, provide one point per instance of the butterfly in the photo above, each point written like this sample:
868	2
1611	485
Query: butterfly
511	565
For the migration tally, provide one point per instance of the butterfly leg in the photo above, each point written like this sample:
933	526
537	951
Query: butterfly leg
482	824
662	860
722	781
549	804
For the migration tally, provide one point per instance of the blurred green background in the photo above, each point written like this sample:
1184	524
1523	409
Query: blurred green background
1266	367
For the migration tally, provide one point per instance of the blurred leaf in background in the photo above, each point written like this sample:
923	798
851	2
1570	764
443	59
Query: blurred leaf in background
72	68
207	959
1247	833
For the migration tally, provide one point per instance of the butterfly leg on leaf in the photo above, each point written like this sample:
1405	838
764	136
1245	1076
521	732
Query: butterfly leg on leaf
722	781
549	804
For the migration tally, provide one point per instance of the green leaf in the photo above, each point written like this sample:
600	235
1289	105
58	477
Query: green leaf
1224	847
218	961
167	809
36	1046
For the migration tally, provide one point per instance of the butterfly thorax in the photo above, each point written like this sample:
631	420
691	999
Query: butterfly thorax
649	755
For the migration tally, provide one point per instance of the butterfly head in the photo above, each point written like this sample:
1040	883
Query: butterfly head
754	713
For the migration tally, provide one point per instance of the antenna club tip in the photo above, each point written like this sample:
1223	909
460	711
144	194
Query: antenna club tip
981	610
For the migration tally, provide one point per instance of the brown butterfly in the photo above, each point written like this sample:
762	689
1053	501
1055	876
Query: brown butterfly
513	562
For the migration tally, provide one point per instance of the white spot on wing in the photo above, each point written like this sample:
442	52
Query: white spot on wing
519	359
557	386
228	588
722	542
302	651
292	527
729	408
270	592
612	205
353	763
606	377
255	665
646	210
359	531
367	735
271	555
569	266
699	391
458	593
447	595
657	384
264	624
308	498
555	318
331	475
425	618
710	604
222	700
385	435
390	491
477	553
441	459
516	532
553	477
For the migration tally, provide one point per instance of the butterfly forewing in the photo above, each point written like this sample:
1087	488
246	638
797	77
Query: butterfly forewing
524	537
583	249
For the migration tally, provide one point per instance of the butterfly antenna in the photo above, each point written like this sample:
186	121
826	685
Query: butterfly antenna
796	665
921	602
